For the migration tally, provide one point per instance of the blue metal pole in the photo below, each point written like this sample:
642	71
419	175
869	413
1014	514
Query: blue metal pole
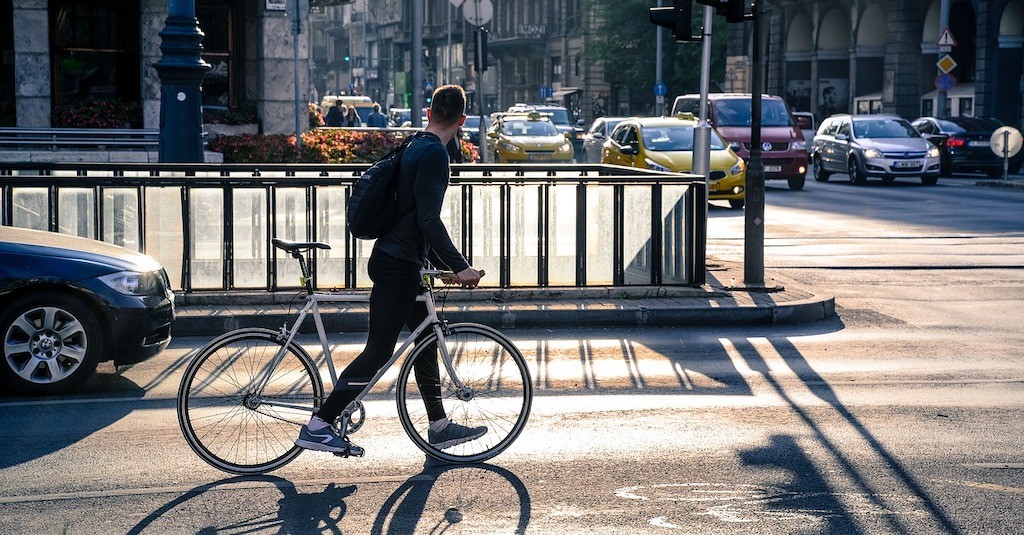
181	71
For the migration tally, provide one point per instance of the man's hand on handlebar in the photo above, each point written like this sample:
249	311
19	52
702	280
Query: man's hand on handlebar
467	278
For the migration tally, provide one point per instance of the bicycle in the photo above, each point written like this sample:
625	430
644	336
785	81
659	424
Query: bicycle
246	393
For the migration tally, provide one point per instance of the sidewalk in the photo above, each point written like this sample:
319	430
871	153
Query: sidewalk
716	303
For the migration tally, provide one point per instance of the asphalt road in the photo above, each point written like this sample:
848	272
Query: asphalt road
901	415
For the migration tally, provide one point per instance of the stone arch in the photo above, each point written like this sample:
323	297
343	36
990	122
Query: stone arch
871	29
1011	23
834	31
799	37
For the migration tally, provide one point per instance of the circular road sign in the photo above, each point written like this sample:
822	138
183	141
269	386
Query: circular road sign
478	12
1008	137
660	89
944	82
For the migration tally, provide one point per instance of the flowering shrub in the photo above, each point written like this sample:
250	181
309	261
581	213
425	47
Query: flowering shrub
97	113
251	148
244	114
328	145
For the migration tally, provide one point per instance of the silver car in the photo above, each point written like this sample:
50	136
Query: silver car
595	137
885	146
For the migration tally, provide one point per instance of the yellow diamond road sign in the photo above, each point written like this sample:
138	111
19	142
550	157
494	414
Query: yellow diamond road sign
946	64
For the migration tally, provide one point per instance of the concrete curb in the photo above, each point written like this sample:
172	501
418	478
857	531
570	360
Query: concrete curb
1004	184
688	312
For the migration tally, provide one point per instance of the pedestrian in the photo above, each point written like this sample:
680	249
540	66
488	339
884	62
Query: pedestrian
454	148
394	267
351	118
376	118
334	116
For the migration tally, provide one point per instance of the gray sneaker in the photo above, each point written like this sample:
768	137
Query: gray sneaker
327	439
454	435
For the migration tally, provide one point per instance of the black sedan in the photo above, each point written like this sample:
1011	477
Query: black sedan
69	303
964	143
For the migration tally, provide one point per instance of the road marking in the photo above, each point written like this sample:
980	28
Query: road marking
993	486
237	486
82	401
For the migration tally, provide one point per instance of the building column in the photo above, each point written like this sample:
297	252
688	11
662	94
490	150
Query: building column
276	98
151	22
32	63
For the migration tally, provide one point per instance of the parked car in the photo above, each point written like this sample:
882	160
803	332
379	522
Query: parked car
471	129
69	303
527	137
808	127
873	145
784	150
965	144
666	144
595	136
563	120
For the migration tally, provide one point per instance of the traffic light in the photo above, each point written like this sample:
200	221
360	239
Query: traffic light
676	19
732	10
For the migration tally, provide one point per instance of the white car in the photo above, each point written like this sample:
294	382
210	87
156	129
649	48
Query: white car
595	137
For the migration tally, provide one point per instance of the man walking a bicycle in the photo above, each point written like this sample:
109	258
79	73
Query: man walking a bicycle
394	267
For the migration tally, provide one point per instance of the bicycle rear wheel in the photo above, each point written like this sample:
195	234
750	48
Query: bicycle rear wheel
497	394
228	421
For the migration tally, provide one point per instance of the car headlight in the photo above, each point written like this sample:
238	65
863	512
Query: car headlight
800	145
933	152
132	282
872	153
737	167
656	167
565	147
510	147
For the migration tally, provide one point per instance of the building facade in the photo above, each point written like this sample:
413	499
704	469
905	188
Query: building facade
873	56
60	54
534	53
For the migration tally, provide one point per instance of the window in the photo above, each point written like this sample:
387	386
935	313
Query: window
556	70
95	51
220	85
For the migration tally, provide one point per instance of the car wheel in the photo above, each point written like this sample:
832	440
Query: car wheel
736	203
929	180
856	176
51	344
796	183
820	174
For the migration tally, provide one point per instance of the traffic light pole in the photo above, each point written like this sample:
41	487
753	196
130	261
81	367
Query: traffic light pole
753	228
702	142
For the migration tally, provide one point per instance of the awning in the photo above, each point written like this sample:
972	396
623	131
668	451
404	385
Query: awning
564	91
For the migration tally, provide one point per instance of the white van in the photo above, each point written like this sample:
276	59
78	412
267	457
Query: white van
362	103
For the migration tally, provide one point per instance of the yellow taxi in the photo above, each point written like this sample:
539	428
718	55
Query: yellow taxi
666	144
527	138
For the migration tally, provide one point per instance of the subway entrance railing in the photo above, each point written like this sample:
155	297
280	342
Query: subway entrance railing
210	225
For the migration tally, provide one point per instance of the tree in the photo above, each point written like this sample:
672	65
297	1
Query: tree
624	41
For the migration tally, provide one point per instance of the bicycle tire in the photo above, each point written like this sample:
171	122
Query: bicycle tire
489	363
225	423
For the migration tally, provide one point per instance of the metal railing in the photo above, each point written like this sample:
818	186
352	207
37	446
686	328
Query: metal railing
210	225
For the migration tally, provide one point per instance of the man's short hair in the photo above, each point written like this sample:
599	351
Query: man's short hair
448	104
376	107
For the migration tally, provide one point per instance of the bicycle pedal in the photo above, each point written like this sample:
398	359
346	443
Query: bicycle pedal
351	451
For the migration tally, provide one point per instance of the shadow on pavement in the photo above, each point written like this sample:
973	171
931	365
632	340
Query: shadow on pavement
786	454
479	498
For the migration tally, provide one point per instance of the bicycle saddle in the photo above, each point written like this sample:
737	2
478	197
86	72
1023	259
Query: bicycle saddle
292	246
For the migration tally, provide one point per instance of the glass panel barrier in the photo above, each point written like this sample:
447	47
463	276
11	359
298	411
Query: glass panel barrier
636	236
331	229
524	208
486	224
600	230
562	235
291	225
164	230
121	217
75	214
207	248
674	206
250	237
31	209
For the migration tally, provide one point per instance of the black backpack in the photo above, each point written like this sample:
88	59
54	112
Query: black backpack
373	207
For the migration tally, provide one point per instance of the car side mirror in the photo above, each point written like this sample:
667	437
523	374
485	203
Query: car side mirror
598	135
630	150
492	135
841	137
579	122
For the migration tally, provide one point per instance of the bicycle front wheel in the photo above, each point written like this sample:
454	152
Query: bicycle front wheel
237	413
491	407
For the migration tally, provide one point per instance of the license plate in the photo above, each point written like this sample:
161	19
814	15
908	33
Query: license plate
977	143
712	187
906	164
540	156
773	169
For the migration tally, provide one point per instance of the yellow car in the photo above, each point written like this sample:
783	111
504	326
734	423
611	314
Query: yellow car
666	144
527	137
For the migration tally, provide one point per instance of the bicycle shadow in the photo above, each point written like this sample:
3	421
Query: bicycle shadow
467	496
438	497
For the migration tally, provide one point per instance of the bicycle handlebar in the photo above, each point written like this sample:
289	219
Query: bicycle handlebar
441	273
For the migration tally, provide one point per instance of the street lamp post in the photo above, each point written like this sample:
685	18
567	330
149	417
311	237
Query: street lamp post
181	70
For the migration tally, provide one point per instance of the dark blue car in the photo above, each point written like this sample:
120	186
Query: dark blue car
69	303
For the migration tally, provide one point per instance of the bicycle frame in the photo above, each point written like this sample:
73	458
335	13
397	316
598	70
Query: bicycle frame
311	307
